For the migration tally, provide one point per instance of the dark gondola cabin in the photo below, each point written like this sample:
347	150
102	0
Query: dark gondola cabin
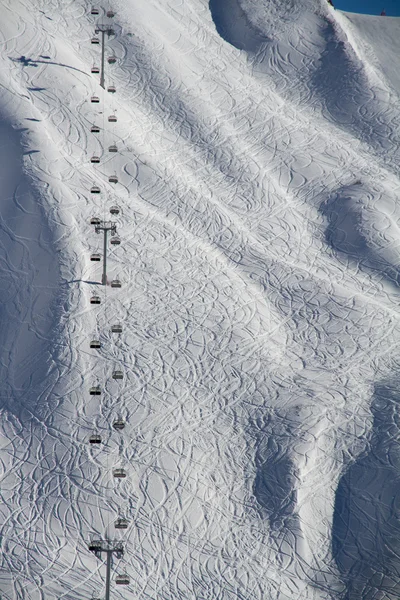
121	523
95	390
119	473
95	300
95	344
116	328
114	210
95	129
122	579
95	257
115	241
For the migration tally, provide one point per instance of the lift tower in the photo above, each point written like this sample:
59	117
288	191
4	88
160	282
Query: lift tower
109	548
105	227
103	29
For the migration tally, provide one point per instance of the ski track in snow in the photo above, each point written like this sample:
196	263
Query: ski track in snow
259	224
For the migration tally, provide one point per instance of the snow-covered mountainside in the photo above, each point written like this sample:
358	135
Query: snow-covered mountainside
257	194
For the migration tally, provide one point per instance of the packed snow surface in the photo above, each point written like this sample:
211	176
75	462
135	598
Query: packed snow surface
258	152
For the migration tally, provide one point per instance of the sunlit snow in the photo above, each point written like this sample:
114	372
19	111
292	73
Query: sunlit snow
258	185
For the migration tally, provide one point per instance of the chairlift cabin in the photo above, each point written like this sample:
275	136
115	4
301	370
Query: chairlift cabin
121	523
110	14
95	40
118	375
95	221
95	159
119	424
95	546
95	69
95	391
115	241
112	118
111	89
113	179
95	257
115	283
111	60
114	210
113	148
122	579
95	100
94	11
119	473
95	439
95	300
95	129
116	328
95	189
95	344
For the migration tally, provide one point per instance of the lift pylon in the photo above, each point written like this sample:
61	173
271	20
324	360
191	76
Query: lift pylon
105	227
103	29
98	547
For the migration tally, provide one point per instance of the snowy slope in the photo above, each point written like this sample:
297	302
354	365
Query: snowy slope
257	165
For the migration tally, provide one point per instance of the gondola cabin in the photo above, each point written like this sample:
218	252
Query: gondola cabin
112	60
95	546
95	70
95	391
95	129
95	221
115	283
115	241
112	119
113	179
114	210
95	100
121	523
113	148
110	14
116	328
95	257
119	473
95	189
95	40
95	300
95	344
95	439
94	11
119	424
111	89
118	375
122	579
95	159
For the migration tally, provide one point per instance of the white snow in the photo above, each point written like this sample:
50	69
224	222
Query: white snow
258	152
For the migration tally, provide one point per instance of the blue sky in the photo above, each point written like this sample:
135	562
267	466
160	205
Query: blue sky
370	7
